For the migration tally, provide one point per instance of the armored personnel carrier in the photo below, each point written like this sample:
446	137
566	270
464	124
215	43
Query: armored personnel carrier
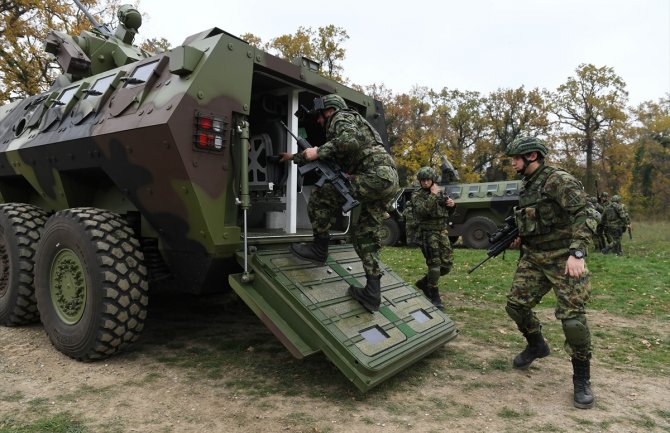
136	168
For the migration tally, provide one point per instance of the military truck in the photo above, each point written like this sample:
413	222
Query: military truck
480	209
136	170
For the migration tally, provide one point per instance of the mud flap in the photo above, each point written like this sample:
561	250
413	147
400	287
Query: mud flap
307	307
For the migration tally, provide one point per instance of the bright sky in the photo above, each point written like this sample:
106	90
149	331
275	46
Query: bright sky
478	45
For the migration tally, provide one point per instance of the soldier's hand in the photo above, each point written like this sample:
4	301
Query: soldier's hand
311	153
285	156
575	267
450	202
516	243
434	189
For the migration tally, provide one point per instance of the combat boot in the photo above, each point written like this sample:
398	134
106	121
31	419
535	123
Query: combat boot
316	252
581	379
422	285
536	348
369	296
436	299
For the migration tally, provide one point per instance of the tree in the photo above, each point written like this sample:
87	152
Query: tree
512	113
588	107
650	188
323	46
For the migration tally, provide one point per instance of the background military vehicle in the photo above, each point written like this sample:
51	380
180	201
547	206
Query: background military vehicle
480	209
138	168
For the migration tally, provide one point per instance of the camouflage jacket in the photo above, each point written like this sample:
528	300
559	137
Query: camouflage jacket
353	144
552	212
430	211
615	216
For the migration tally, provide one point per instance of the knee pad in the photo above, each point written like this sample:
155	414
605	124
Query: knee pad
444	270
576	332
433	276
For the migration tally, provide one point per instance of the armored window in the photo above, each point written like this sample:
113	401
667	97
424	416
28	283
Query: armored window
67	95
491	189
454	191
473	189
141	74
100	85
511	188
374	335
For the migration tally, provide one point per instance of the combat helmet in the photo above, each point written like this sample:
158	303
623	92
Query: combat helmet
427	173
525	145
616	198
604	194
329	101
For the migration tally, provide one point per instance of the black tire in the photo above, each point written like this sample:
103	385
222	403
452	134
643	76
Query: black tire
476	232
20	228
390	232
91	283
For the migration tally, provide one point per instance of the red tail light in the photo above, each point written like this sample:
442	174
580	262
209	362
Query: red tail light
210	132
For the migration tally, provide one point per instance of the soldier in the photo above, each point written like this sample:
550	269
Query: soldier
358	149
615	221
411	225
596	209
554	232
432	210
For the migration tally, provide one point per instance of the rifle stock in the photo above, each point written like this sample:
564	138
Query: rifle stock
327	172
499	241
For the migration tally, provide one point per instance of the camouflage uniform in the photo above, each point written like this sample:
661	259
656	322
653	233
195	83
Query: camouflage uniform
596	210
432	216
355	145
411	225
554	224
552	218
615	220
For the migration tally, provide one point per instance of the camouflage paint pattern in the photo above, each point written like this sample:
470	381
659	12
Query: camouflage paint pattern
614	221
129	146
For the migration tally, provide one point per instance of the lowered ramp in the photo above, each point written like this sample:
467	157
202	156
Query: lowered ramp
307	307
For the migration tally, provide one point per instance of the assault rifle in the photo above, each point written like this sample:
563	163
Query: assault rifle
327	172
500	241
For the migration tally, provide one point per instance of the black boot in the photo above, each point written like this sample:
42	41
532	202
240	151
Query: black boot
536	348
422	285
436	299
317	251
581	379
369	296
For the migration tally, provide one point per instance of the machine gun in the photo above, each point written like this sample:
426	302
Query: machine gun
326	172
500	241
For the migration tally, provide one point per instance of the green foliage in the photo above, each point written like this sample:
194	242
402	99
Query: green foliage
59	423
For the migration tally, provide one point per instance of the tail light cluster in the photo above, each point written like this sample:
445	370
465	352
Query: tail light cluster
210	132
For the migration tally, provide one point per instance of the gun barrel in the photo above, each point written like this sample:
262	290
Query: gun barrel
91	18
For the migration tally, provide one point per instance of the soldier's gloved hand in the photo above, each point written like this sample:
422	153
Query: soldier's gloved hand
285	156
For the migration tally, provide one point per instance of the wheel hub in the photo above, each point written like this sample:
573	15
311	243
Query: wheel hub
68	286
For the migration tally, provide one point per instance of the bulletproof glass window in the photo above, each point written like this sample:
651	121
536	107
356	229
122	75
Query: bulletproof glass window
67	95
491	189
454	191
511	188
474	189
141	74
100	85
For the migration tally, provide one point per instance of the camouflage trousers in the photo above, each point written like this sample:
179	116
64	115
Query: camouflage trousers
536	274
613	235
437	251
374	191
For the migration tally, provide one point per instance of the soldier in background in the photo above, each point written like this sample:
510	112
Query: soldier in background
411	225
615	222
354	145
555	230
431	212
597	210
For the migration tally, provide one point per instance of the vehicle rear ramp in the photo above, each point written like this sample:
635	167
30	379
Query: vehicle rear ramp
307	307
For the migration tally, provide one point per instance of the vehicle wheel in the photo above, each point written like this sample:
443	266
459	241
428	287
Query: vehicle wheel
476	232
20	228
91	283
390	232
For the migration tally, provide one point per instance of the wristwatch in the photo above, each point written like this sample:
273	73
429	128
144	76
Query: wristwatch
579	254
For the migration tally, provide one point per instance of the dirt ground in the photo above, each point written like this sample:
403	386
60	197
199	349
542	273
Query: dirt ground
174	380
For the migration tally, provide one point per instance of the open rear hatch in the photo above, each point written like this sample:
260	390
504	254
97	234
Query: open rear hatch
307	307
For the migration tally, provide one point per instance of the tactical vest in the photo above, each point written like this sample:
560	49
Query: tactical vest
541	221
